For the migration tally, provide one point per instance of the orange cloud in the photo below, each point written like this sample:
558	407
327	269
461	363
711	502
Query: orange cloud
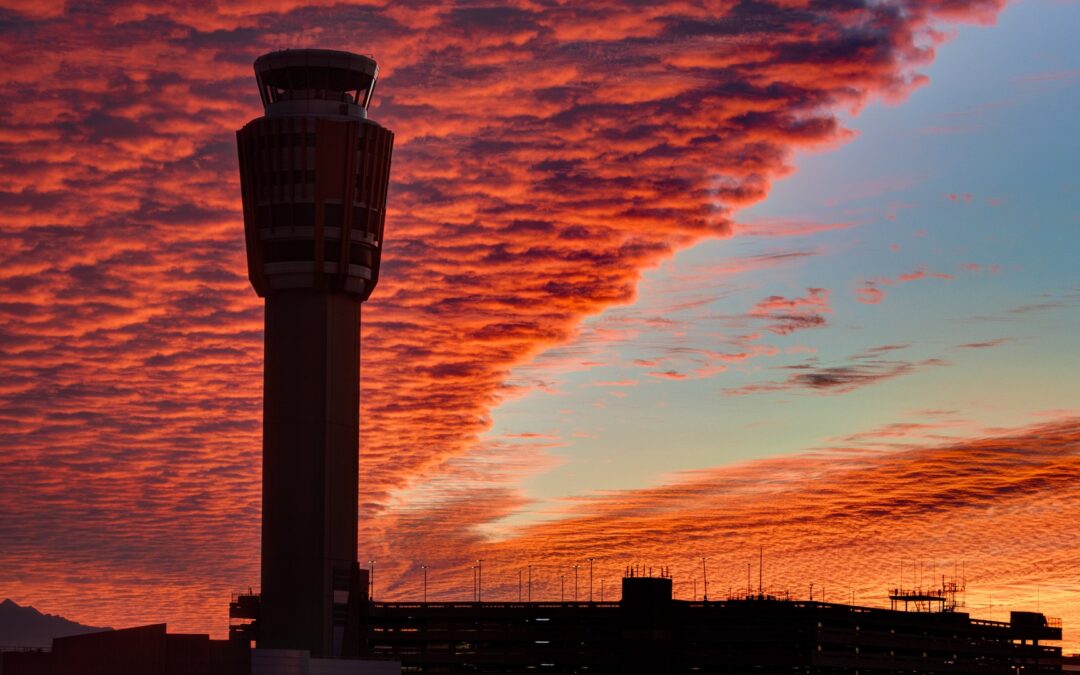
869	294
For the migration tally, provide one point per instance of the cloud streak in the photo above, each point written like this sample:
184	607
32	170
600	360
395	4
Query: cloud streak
864	369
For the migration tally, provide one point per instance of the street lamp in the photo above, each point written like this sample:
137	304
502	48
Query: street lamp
424	567
705	580
590	579
479	579
371	580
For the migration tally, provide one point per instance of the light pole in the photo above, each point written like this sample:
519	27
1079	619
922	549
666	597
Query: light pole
601	590
562	588
760	571
590	579
704	580
371	580
575	582
479	579
530	583
519	585
424	568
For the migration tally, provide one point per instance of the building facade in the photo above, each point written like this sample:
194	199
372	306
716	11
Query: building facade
649	632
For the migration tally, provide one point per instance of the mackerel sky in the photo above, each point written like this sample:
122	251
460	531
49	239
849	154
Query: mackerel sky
660	282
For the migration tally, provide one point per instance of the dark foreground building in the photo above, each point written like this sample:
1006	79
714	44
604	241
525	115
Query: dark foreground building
147	650
646	633
649	632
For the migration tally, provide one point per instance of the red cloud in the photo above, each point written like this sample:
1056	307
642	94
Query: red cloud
615	383
922	273
787	315
787	228
869	294
668	375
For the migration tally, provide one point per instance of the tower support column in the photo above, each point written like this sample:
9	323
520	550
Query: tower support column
311	417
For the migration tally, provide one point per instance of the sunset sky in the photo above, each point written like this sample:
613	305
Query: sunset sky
660	282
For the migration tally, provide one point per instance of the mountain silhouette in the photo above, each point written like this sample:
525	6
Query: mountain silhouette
27	627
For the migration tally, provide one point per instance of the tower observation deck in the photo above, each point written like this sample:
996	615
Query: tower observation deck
314	172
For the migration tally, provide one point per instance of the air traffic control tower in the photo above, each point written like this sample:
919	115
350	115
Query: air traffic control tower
314	172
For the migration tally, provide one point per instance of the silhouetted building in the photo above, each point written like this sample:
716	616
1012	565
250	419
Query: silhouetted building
1070	664
147	650
649	632
314	173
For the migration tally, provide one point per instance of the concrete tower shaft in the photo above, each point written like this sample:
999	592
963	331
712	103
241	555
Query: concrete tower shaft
314	173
